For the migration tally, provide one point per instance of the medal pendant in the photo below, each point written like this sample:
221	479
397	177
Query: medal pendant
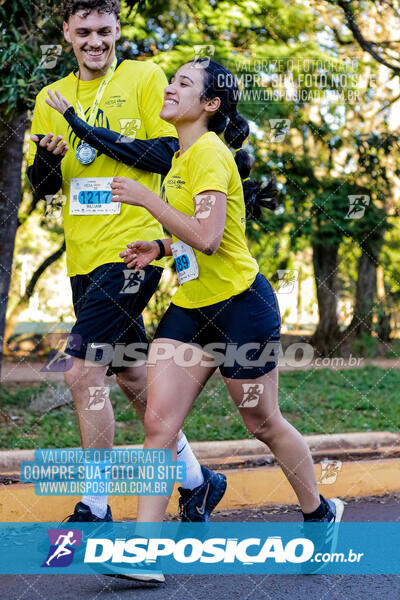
85	154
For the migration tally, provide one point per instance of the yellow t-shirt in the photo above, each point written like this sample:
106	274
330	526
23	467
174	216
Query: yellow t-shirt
209	165
136	91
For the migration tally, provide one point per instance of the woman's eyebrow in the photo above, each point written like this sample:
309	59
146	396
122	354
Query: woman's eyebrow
182	77
186	77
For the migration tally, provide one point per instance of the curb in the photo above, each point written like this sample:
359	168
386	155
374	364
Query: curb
246	488
10	459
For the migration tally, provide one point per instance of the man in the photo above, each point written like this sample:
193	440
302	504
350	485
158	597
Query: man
108	300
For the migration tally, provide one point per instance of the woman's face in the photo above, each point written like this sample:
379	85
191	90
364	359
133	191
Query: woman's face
182	96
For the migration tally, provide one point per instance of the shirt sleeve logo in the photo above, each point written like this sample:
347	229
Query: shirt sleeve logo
128	129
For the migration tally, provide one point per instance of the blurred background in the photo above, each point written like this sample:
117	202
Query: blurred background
320	87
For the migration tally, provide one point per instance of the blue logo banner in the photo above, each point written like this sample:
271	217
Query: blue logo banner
200	548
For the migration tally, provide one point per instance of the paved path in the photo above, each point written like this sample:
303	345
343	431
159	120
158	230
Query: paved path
226	587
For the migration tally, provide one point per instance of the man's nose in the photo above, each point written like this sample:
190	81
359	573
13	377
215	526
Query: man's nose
94	40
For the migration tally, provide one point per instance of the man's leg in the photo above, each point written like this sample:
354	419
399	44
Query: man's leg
132	382
96	426
86	383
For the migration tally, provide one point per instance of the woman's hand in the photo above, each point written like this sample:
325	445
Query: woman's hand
128	191
58	102
56	146
140	254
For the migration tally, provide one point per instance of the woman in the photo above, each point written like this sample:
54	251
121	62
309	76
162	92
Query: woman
222	299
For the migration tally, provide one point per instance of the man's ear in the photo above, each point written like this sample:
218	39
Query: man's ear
118	30
66	32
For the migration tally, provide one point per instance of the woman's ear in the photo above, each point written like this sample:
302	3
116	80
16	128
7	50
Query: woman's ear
212	105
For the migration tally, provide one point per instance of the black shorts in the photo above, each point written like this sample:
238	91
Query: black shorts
108	303
242	333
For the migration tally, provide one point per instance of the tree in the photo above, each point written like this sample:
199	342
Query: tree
11	141
382	12
370	231
29	32
326	153
23	302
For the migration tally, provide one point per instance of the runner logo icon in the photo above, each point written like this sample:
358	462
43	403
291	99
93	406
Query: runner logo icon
329	471
62	547
132	281
97	398
251	394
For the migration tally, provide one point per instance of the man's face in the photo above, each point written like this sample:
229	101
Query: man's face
93	38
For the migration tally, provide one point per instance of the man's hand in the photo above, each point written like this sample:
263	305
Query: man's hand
56	146
58	102
140	254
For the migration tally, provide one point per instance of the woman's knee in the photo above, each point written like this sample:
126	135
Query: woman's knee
266	428
152	424
157	427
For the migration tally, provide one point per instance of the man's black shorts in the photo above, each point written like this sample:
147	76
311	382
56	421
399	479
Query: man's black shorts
108	303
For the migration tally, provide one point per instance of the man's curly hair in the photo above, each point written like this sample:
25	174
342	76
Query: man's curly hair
70	7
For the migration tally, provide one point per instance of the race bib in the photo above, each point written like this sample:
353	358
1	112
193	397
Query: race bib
92	196
185	262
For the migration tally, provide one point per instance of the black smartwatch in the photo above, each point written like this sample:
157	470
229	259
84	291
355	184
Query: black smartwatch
162	249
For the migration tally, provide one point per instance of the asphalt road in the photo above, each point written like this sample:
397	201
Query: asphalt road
226	587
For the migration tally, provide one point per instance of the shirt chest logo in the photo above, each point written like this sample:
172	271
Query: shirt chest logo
175	182
115	102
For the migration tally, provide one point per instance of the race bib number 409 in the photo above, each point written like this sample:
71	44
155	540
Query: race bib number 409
185	262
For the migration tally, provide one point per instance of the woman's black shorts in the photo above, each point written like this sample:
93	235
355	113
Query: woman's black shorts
241	334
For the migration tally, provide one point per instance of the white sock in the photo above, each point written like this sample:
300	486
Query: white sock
97	504
194	477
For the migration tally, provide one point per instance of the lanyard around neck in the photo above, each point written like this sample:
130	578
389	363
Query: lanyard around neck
92	116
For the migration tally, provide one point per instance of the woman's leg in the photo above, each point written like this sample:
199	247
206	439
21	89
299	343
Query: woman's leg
264	420
171	391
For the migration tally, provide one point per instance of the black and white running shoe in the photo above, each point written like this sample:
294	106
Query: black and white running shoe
324	538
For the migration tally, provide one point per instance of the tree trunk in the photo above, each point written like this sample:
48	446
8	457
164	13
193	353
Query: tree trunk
327	334
11	146
365	296
23	302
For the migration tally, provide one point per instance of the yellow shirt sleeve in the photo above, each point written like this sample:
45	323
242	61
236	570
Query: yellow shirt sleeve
208	169
40	123
151	104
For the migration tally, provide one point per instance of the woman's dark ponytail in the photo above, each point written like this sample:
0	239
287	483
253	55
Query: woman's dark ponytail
219	82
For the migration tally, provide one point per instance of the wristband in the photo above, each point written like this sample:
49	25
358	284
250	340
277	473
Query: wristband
162	249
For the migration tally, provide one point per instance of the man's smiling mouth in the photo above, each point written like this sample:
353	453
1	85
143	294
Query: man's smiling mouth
95	52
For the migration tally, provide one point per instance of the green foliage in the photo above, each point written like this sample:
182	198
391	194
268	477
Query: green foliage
336	401
25	27
366	346
333	148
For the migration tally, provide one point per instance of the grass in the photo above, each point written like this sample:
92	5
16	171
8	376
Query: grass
315	402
